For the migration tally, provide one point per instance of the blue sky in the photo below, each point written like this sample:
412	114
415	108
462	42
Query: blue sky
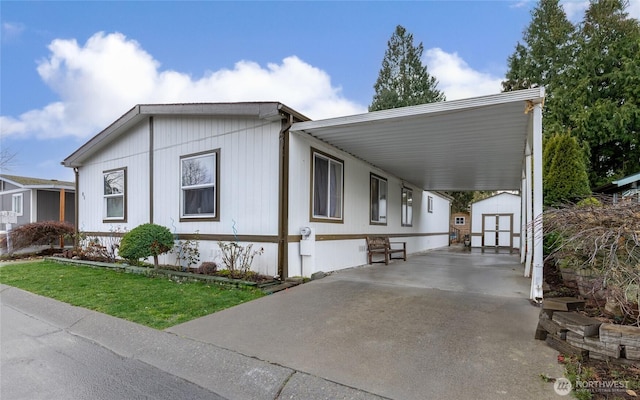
69	69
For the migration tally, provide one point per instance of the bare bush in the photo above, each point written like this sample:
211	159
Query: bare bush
603	237
38	234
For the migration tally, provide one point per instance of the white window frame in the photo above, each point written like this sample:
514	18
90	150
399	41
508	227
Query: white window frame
334	201
460	221
17	204
107	196
379	190
215	177
406	207
430	204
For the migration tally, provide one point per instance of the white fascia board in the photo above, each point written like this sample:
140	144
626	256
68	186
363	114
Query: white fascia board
264	110
97	140
535	95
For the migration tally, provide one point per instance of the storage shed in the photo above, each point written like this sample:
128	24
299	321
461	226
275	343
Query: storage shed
496	223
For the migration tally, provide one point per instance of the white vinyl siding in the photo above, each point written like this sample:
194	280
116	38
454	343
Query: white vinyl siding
246	188
114	188
407	207
198	185
379	194
327	187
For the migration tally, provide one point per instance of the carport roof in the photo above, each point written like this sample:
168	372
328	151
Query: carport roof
470	144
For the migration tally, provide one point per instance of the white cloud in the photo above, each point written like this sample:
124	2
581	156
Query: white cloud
456	78
101	80
575	9
634	9
11	30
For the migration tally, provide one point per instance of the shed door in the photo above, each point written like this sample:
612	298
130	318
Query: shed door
497	230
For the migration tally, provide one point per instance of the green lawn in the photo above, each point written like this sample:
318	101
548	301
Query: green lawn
155	302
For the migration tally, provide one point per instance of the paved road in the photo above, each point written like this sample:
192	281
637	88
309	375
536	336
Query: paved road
41	361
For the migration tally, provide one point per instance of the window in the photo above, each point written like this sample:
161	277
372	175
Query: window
328	178
378	200
16	204
459	221
115	183
430	204
407	207
199	185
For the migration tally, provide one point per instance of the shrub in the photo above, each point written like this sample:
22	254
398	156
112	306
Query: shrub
147	240
605	240
99	248
237	258
187	253
39	233
208	268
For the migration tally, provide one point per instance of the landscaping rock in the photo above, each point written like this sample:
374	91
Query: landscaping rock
577	323
632	353
594	345
563	304
565	348
620	334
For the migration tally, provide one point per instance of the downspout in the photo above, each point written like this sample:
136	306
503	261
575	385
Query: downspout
151	170
283	200
76	205
61	217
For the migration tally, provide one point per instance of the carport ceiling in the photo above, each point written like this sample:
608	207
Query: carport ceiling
470	144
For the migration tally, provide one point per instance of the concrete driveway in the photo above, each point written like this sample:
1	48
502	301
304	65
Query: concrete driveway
444	324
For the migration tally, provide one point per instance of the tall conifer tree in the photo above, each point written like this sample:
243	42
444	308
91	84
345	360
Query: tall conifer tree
403	79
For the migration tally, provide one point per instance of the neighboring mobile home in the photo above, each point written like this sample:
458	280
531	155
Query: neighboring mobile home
235	172
495	222
36	200
627	189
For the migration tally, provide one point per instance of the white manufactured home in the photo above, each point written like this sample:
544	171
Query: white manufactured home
237	172
310	192
496	223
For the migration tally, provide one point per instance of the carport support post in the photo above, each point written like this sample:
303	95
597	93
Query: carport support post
537	278
523	218
528	214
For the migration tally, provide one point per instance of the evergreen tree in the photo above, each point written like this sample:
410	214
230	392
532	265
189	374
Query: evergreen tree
544	56
565	178
602	104
403	79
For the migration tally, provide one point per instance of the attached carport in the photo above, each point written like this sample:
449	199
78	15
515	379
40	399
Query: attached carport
485	143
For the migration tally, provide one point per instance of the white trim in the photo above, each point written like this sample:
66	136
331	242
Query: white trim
20	204
537	275
535	95
529	215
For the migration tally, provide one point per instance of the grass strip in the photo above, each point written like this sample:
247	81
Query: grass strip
155	302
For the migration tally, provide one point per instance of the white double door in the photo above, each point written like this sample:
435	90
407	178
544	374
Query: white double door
497	230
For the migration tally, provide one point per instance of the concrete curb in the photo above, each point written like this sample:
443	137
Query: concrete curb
224	372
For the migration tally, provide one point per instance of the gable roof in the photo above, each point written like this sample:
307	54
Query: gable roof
493	197
272	111
468	144
37	183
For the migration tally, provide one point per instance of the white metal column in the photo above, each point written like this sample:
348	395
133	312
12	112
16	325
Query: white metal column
538	259
529	215
523	217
